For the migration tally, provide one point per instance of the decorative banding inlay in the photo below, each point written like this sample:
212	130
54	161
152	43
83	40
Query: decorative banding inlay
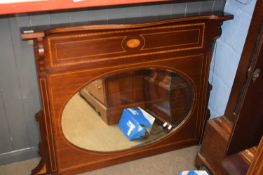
94	49
133	43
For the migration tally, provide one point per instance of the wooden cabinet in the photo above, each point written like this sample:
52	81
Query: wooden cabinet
172	98
70	58
97	90
109	96
162	93
230	141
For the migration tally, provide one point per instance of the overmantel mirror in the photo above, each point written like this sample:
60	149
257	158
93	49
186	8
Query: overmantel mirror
90	74
90	118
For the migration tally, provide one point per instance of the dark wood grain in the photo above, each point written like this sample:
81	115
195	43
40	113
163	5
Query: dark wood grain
65	65
243	113
244	106
256	167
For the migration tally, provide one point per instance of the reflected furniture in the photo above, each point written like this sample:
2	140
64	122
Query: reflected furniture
169	96
231	144
110	95
160	92
70	58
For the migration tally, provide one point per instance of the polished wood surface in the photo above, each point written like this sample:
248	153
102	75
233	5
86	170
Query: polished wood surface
70	58
39	31
248	130
171	96
250	51
160	92
110	95
256	167
247	88
239	162
214	145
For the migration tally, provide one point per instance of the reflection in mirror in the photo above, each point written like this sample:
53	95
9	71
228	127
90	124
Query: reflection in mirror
90	118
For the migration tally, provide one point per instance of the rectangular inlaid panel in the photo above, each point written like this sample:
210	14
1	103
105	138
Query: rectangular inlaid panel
172	39
87	47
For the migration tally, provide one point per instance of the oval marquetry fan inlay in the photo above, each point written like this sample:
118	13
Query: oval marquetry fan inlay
133	43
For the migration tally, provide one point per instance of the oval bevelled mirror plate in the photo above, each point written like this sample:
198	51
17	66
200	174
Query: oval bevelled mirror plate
109	114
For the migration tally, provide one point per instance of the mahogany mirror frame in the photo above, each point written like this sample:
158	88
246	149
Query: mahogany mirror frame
187	52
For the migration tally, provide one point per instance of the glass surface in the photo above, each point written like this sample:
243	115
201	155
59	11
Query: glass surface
90	118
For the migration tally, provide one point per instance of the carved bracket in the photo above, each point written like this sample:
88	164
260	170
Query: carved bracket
40	53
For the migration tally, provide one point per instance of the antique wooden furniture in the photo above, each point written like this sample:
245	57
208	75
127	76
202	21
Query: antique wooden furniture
161	93
256	168
69	58
110	95
229	140
162	86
